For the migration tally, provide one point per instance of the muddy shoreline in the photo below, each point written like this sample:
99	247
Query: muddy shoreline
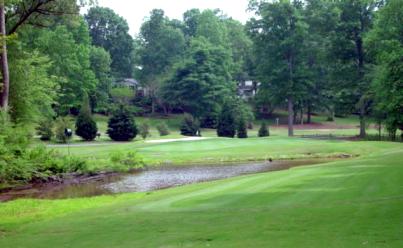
148	178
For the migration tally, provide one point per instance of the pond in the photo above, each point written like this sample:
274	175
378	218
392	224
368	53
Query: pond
148	180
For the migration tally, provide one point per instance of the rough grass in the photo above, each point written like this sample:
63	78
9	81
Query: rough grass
353	203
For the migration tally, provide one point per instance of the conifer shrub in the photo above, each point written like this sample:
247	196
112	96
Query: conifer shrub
121	126
242	129
86	127
263	130
226	122
190	126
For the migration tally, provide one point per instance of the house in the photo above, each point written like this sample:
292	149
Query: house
133	84
247	89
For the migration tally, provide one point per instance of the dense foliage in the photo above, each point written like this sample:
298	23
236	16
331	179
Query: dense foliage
86	127
61	124
144	130
163	129
121	126
241	130
226	126
111	32
21	163
190	126
263	130
386	40
45	129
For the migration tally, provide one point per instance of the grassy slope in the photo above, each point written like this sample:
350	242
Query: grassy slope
225	149
355	203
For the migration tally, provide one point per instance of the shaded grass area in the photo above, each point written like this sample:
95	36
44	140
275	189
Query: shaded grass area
353	203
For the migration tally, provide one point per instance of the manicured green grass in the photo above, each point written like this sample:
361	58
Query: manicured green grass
353	203
215	150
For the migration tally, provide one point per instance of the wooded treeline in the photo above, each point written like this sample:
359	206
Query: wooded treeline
334	56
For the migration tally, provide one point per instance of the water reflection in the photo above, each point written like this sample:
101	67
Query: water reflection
149	180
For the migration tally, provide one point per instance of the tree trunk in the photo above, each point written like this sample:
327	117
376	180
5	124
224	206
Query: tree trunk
165	109
152	106
380	129
290	117
4	60
362	121
302	115
309	114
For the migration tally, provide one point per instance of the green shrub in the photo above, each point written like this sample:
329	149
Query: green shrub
210	120
190	126
121	126
144	130
126	161
75	164
86	127
45	130
263	130
241	129
21	163
163	129
226	122
61	124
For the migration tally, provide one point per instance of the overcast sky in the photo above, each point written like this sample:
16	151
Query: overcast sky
134	11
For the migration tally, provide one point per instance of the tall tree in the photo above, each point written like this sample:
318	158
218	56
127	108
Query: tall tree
385	41
33	91
350	53
100	65
69	48
202	82
279	42
4	59
241	50
321	17
33	12
161	47
111	31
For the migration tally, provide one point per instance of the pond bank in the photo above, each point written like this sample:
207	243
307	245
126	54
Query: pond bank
150	179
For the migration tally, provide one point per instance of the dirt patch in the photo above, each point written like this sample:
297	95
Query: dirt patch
45	189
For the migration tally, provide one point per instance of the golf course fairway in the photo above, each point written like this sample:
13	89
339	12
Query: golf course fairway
346	203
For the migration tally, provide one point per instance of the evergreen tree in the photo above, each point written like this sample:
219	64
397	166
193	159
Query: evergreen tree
190	126
121	126
241	129
226	122
86	127
263	130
